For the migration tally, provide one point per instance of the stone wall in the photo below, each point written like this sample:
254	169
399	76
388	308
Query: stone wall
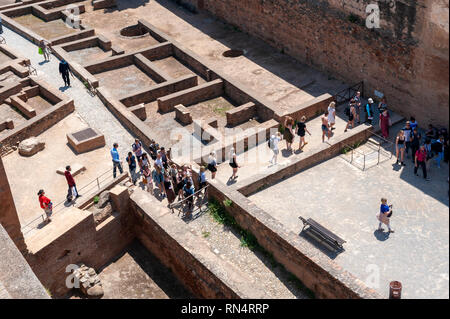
407	59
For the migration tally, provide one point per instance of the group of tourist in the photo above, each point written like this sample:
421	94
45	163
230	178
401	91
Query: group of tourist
422	151
171	182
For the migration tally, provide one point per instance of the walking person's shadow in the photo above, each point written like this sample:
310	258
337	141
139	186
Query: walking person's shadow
381	235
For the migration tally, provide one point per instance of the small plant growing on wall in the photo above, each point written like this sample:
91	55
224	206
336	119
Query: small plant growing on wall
227	202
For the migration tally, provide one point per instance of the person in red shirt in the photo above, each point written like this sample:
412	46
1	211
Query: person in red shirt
46	205
72	186
420	160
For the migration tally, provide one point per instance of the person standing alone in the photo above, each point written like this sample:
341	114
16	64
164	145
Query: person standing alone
64	70
384	215
72	191
116	160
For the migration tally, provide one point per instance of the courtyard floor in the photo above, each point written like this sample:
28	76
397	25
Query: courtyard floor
346	199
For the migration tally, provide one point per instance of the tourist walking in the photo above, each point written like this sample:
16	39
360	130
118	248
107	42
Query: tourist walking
400	147
385	123
46	205
168	188
382	106
301	131
325	127
273	143
429	151
350	111
188	192
164	158
420	160
408	137
415	143
153	147
438	148
357	103
72	192
44	48
158	178
212	164
131	160
233	163
173	172
137	149
413	122
369	111
332	115
116	160
384	215
64	70
289	132
147	178
202	179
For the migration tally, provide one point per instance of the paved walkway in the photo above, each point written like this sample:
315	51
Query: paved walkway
91	109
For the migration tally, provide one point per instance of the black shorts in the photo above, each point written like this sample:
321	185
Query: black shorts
212	168
301	134
202	185
350	117
233	165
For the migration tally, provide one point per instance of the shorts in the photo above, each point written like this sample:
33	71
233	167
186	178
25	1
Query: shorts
233	165
301	134
400	146
324	128
202	185
276	151
350	117
212	168
48	212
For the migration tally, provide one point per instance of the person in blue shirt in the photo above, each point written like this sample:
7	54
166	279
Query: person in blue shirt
116	160
383	215
369	111
131	160
413	123
188	190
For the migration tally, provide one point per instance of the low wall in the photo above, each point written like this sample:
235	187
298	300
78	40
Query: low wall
36	125
241	114
206	91
195	266
305	160
310	109
74	238
316	271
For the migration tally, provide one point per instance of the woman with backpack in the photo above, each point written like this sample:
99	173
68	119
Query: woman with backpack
46	205
384	215
301	132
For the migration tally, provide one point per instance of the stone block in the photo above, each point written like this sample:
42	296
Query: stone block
86	140
182	114
31	146
139	111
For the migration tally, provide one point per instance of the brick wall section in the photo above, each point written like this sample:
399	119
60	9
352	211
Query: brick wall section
324	277
8	214
73	239
305	160
310	109
151	69
240	114
196	267
406	59
206	91
36	125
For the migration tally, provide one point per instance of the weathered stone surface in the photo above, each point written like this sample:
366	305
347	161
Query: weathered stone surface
90	283
30	146
103	199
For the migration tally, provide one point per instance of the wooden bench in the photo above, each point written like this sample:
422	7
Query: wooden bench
322	232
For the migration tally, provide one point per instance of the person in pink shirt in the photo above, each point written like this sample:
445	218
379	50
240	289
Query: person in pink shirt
420	160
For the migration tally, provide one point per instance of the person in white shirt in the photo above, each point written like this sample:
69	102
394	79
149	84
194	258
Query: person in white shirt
274	140
332	115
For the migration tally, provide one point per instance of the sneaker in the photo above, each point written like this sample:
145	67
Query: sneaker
391	231
403	164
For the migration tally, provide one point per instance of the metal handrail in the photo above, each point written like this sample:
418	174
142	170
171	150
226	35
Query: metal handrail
346	94
42	216
181	202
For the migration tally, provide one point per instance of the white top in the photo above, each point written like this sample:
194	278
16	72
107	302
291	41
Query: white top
331	114
275	142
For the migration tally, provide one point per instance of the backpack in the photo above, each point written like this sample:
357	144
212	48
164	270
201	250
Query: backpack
436	147
270	143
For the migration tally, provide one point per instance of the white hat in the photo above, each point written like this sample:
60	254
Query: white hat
370	100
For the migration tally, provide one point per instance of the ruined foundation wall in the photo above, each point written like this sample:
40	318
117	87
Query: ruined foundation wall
406	59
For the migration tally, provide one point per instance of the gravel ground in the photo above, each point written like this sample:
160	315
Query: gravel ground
272	279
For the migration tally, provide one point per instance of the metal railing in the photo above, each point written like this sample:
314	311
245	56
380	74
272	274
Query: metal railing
348	93
181	205
93	185
368	159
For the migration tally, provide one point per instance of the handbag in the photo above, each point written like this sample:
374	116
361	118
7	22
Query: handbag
145	181
390	214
